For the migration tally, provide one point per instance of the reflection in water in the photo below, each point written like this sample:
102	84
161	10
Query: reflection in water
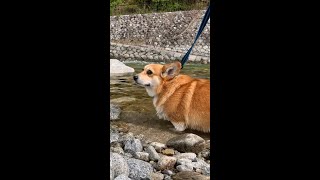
138	113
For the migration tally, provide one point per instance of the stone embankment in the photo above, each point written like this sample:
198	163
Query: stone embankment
159	37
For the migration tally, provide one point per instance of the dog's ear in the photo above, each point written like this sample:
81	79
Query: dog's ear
171	70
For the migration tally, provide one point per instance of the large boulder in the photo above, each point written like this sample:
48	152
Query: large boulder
139	169
118	165
187	143
119	68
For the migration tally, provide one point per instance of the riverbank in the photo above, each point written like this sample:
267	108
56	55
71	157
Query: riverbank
136	157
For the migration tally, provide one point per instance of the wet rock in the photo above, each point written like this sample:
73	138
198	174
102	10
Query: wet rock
166	162
140	136
206	170
204	154
114	112
142	156
157	176
158	146
207	146
128	155
153	155
167	177
169	152
118	150
133	146
185	167
198	170
115	144
127	137
189	175
176	152
122	177
139	169
119	68
111	174
187	143
145	144
191	156
168	172
114	129
201	164
118	165
114	137
183	161
153	164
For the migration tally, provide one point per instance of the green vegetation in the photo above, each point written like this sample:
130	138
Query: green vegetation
123	7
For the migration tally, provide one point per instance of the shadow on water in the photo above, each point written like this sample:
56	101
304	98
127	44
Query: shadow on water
137	111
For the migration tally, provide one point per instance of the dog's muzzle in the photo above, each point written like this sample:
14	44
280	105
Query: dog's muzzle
135	78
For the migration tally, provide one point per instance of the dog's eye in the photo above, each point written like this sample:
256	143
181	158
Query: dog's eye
149	72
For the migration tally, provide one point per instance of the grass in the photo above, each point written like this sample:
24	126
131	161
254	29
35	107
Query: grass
125	7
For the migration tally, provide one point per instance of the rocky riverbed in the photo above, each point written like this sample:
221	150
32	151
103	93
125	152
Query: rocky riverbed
145	147
186	156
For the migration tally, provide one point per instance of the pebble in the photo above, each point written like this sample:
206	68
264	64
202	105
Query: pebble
168	172
114	137
167	177
158	146
118	150
142	156
168	152
139	169
166	162
153	155
157	176
201	164
191	156
185	167
183	161
133	146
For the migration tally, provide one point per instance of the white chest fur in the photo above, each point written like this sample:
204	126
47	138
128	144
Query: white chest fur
161	114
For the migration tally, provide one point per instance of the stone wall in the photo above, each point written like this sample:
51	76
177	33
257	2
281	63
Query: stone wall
166	35
125	52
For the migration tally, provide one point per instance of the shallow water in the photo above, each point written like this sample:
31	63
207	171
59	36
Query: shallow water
137	111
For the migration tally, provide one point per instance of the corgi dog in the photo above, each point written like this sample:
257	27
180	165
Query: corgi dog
180	99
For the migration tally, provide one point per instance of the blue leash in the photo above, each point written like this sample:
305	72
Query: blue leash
203	24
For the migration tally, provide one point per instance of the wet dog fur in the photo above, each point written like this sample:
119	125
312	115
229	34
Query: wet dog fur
181	99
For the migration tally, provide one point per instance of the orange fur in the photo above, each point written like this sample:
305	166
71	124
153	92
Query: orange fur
181	99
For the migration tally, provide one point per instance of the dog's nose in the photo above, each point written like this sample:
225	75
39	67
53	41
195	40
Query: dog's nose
135	77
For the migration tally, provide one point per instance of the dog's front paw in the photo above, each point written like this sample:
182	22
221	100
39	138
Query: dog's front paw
179	126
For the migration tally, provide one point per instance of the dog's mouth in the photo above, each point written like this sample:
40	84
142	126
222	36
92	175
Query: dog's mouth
144	85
